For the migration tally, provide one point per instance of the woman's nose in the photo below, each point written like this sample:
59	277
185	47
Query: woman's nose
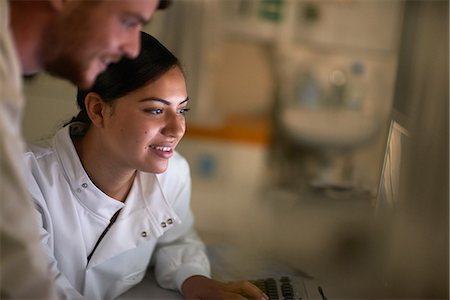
175	126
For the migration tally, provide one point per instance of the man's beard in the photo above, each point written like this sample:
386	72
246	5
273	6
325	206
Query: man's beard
66	68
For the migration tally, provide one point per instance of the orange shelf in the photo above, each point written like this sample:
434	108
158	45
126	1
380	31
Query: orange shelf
245	129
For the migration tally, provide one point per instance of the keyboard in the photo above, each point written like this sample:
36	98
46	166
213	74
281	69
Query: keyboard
283	288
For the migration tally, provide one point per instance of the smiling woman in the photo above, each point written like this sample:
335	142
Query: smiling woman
112	193
110	154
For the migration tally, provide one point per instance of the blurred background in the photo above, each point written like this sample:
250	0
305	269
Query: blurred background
292	102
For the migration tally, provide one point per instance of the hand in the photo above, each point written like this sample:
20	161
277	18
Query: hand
200	287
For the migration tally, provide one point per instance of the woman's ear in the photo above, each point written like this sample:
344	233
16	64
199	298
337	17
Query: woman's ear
95	109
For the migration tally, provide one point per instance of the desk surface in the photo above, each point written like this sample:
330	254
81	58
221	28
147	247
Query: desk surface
226	265
148	289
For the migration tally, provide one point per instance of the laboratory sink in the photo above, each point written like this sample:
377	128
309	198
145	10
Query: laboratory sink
329	127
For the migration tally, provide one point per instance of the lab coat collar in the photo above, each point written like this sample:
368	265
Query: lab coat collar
85	190
140	221
145	215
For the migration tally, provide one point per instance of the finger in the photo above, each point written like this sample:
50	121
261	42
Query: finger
247	289
233	296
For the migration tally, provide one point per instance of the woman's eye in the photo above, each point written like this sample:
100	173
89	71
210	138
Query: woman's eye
183	110
154	111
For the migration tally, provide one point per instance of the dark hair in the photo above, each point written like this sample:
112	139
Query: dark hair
163	4
127	75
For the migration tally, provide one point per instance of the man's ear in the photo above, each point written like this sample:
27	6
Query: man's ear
58	4
95	108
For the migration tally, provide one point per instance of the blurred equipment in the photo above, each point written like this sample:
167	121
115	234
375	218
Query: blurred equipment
327	110
337	74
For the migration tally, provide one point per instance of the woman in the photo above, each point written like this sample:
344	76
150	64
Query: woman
113	195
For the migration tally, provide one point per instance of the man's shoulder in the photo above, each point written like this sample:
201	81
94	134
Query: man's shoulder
39	152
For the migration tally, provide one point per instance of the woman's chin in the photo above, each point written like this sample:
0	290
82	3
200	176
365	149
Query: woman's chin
155	169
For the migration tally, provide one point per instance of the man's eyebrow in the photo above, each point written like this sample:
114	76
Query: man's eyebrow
141	19
162	100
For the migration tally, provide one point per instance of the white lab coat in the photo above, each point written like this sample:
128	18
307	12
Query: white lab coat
23	272
154	224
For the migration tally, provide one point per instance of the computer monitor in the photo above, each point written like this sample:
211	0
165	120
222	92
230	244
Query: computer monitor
394	156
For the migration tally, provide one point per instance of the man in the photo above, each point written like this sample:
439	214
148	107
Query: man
72	39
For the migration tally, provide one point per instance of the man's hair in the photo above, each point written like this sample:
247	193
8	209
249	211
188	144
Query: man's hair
163	4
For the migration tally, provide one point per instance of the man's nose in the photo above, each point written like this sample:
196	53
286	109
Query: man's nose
132	45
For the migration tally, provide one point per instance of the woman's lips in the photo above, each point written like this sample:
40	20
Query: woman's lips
162	151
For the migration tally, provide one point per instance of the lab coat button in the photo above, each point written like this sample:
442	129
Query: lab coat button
169	221
144	234
163	224
78	190
84	185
